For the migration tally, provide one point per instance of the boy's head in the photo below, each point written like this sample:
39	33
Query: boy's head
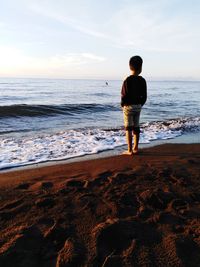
135	64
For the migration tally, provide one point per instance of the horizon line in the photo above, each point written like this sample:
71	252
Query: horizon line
174	79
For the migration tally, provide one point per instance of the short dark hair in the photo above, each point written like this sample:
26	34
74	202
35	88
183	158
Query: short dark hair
135	63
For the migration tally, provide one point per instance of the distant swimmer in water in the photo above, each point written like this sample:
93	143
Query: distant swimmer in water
106	83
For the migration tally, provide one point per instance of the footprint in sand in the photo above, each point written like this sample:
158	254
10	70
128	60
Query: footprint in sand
12	204
120	178
23	186
195	197
71	254
156	199
99	180
23	249
94	204
45	202
74	183
110	237
119	240
179	205
14	208
127	205
46	185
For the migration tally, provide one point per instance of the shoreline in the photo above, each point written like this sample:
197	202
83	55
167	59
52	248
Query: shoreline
189	138
122	210
81	162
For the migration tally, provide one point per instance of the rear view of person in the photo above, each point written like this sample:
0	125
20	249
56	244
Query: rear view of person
133	97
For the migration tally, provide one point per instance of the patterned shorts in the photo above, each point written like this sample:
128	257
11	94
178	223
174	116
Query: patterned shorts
132	118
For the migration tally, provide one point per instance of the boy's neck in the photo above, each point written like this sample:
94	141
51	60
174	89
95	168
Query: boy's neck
135	73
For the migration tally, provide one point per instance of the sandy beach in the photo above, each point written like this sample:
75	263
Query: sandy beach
116	211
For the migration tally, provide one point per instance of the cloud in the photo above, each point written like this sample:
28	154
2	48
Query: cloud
70	15
144	25
159	30
15	62
73	60
93	57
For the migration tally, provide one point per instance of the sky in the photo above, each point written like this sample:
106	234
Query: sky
95	39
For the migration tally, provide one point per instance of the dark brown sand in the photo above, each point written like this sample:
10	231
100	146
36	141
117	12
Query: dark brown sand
119	211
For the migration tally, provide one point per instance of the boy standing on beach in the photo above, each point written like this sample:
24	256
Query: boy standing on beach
133	97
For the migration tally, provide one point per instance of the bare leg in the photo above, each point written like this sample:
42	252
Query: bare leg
129	142
136	142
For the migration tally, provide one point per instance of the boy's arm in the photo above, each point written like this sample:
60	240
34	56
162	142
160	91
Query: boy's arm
144	95
123	93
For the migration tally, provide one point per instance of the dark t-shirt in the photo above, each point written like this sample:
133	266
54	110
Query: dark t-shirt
134	91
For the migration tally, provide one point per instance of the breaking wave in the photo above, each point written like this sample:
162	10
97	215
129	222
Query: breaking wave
24	110
42	147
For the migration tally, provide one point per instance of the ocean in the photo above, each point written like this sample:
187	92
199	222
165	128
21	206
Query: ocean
53	119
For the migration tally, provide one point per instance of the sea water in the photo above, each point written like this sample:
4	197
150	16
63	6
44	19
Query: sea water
51	119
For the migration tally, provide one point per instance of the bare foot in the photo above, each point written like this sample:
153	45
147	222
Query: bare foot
127	153
135	151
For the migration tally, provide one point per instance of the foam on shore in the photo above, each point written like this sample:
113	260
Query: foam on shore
29	149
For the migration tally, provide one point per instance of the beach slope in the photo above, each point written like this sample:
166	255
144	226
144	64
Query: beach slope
118	211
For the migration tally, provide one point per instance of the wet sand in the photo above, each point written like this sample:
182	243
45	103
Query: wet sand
117	211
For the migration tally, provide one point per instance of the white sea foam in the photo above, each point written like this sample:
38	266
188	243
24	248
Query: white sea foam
26	149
